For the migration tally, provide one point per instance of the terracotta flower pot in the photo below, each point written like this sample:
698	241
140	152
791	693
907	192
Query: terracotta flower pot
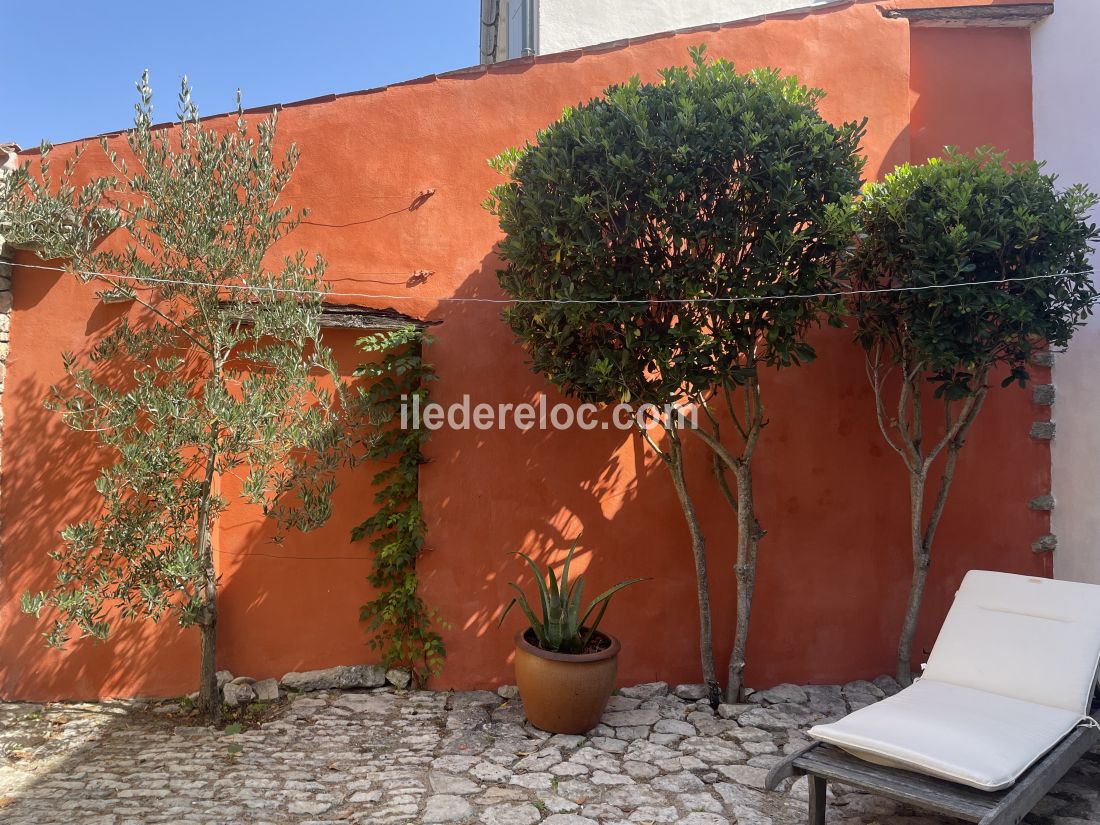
563	692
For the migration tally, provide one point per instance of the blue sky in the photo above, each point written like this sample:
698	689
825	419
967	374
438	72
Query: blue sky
67	69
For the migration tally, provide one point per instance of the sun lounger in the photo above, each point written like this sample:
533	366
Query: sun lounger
1000	714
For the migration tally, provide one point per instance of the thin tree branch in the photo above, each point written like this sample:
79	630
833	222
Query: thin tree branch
966	416
733	413
949	469
876	378
665	457
172	321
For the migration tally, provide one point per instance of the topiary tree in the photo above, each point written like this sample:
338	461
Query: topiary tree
982	263
653	238
218	370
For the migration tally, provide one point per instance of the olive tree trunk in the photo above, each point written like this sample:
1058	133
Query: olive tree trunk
210	704
210	701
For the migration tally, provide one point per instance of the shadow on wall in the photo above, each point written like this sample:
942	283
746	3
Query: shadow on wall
295	605
834	566
488	494
824	572
283	607
36	505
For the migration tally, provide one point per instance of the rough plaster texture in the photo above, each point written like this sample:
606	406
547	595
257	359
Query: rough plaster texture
1067	118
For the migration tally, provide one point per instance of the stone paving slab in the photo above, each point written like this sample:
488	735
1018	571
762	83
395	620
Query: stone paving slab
387	756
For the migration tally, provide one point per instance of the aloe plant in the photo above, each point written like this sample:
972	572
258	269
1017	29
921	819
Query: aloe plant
563	628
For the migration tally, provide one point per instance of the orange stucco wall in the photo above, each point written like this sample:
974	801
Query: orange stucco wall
834	565
974	71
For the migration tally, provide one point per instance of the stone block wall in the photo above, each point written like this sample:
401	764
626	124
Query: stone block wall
1042	395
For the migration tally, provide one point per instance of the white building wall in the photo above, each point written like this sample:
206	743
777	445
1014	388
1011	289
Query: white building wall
571	24
1066	68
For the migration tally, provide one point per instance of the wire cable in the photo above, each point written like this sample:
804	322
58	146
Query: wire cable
552	301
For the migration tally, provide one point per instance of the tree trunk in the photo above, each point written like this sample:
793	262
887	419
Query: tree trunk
748	536
922	532
748	528
210	700
674	460
921	561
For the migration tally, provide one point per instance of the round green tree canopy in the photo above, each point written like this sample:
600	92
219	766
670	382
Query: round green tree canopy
672	198
1005	230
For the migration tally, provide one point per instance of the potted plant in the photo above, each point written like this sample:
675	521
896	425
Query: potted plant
565	666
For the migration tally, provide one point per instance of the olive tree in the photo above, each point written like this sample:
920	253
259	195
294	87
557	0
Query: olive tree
972	265
218	370
655	240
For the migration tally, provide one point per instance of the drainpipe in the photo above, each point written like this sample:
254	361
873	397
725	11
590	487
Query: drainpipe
529	27
490	30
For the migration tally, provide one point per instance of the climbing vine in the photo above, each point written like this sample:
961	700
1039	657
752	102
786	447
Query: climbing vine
399	622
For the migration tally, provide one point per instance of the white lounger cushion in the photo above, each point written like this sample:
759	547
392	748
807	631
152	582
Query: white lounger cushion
956	733
1029	638
1012	672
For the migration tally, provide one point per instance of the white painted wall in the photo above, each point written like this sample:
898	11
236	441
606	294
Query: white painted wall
1066	66
571	24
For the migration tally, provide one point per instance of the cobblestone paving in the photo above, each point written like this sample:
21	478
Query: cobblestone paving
387	756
